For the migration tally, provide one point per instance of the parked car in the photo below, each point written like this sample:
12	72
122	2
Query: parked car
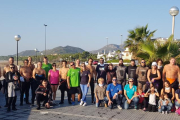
95	62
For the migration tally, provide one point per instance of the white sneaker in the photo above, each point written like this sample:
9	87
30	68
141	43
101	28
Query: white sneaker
166	112
119	107
81	103
162	112
85	104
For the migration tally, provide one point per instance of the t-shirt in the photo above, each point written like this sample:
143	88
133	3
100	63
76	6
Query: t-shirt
54	76
113	89
100	91
101	71
46	67
152	99
85	77
178	92
74	75
141	97
130	92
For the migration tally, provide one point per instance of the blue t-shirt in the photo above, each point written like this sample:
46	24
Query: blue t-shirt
130	92
113	89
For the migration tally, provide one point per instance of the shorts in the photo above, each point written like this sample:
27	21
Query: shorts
74	90
175	85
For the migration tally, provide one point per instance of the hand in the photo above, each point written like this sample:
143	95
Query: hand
110	102
44	94
97	100
129	101
69	87
179	101
114	97
159	107
88	85
15	78
152	80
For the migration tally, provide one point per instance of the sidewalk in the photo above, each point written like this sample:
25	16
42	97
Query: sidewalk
69	112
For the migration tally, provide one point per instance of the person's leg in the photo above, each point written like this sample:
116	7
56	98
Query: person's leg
126	105
34	86
13	103
119	99
92	90
83	92
72	97
154	108
150	107
99	102
111	105
177	104
62	89
135	100
27	92
9	103
23	88
175	85
79	93
38	99
144	86
53	89
140	85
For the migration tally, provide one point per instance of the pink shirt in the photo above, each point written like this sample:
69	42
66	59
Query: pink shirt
54	76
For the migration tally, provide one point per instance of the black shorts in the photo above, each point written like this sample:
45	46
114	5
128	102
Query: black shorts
74	90
175	85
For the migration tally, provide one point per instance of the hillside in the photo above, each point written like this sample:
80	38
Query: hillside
110	47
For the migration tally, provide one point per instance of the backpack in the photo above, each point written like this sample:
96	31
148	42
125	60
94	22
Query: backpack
178	111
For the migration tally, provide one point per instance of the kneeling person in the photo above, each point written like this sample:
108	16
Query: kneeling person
43	93
114	94
100	92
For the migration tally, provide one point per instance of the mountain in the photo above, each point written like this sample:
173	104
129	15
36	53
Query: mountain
56	50
110	47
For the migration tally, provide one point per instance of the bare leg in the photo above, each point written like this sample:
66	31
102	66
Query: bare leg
73	97
79	97
55	89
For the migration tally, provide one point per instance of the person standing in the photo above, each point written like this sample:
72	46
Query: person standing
5	70
121	73
63	82
171	73
93	75
141	72
114	94
85	83
154	76
160	68
101	70
110	73
12	78
46	66
131	71
73	81
26	75
78	63
53	77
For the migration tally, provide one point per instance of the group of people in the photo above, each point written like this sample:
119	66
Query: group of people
118	86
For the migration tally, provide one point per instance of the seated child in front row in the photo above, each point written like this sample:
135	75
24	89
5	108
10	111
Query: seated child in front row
164	104
142	100
152	93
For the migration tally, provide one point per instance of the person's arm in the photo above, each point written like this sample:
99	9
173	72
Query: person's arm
148	76
162	91
164	73
177	98
60	74
137	72
178	74
49	74
7	78
21	72
4	72
44	72
34	73
38	91
157	94
159	76
89	75
173	94
94	72
97	67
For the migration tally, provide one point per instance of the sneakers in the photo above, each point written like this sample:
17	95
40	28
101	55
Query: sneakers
84	104
119	107
73	103
163	112
166	112
135	107
144	109
81	103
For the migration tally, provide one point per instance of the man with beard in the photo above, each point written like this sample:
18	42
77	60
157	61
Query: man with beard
121	73
101	70
5	70
93	75
171	73
26	76
141	72
131	71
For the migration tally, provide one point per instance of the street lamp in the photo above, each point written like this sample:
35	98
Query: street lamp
36	50
17	38
45	37
173	12
121	39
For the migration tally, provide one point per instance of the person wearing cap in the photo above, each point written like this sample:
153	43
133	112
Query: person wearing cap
141	72
154	77
114	94
177	95
130	93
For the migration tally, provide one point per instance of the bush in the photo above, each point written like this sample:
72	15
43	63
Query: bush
116	61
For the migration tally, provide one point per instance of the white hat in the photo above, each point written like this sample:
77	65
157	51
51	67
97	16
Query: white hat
154	64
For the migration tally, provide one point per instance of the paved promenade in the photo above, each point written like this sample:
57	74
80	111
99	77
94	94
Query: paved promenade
69	112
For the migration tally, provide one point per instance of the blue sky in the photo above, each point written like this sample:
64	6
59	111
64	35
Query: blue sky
80	23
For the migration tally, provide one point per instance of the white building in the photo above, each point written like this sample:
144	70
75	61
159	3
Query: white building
126	55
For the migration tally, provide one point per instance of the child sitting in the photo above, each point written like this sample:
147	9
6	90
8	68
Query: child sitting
142	100
164	104
152	99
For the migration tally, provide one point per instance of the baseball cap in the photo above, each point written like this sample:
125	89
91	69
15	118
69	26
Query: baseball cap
154	64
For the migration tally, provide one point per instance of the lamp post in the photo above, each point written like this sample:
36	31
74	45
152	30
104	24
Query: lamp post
17	38
36	50
121	39
173	12
45	37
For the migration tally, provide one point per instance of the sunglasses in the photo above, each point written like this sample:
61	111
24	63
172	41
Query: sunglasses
143	62
54	65
130	81
12	67
114	79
